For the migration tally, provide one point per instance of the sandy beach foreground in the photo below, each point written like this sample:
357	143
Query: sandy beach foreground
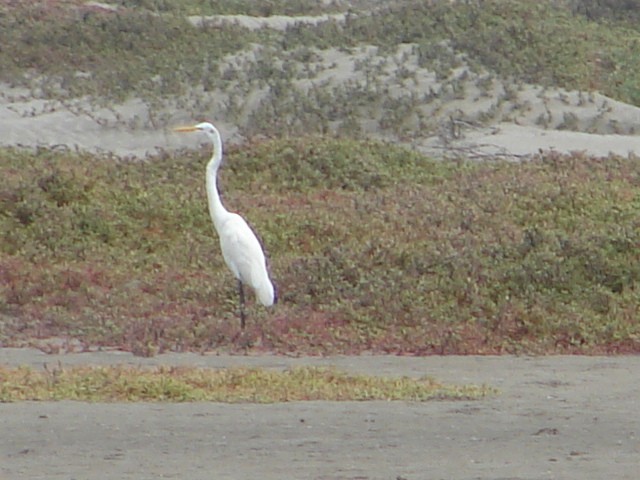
556	417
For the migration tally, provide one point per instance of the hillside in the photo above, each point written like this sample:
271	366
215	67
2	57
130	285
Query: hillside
354	131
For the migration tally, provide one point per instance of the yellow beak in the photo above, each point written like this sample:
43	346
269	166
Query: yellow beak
185	129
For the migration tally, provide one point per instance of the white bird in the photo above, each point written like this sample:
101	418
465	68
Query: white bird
240	247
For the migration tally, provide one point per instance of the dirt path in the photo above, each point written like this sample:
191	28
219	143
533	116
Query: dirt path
556	417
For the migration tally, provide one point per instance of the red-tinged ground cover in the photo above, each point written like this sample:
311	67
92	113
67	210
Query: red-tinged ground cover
372	248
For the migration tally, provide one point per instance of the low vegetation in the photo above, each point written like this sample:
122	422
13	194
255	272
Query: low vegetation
236	385
372	248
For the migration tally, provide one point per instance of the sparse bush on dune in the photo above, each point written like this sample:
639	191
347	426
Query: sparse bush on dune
150	50
530	41
372	247
625	11
108	56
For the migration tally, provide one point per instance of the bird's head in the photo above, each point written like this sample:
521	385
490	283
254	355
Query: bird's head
212	134
204	127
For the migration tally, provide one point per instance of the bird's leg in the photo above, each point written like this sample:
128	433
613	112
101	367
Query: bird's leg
241	295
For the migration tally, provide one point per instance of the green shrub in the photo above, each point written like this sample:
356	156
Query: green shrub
372	247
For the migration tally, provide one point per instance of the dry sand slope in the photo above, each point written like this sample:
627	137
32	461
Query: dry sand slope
484	116
34	122
555	418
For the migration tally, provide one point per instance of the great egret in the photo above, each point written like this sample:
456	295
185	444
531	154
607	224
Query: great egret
240	247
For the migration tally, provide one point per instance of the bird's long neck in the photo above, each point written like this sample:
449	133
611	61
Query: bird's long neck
216	208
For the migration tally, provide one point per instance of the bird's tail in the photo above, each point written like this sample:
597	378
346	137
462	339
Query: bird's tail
266	293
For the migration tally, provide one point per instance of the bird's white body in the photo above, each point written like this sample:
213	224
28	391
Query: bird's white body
240	247
243	255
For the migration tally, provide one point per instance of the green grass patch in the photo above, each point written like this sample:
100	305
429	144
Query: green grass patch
235	385
109	56
227	7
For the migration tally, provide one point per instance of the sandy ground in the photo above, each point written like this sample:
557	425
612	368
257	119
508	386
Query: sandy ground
501	118
555	418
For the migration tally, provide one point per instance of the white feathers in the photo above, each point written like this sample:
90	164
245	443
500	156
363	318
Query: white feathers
244	256
240	247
